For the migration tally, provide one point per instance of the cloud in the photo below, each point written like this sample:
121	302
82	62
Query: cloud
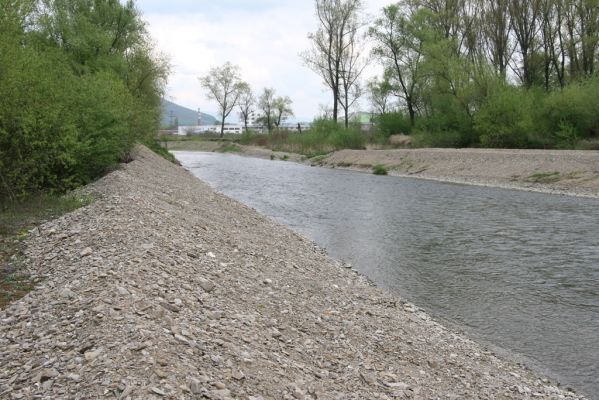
263	37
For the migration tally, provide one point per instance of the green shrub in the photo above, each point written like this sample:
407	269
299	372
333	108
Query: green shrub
575	109
506	118
379	169
68	114
392	124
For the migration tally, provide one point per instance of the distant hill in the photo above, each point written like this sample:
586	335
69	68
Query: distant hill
184	115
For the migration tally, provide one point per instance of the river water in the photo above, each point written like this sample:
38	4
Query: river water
516	269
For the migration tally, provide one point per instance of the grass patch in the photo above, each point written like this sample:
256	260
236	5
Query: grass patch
379	169
229	148
544	177
284	158
16	220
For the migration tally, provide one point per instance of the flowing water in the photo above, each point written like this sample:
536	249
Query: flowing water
516	269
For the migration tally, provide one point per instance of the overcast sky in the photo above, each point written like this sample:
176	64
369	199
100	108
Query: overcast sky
262	37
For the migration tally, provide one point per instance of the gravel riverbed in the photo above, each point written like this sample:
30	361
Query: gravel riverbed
162	288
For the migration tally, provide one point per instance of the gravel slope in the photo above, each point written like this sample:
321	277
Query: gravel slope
164	289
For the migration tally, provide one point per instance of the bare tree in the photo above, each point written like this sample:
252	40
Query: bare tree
497	30
525	16
281	110
223	84
352	66
266	103
337	23
247	100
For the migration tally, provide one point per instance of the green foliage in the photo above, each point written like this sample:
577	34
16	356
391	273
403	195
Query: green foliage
324	136
78	87
572	113
379	169
506	119
392	124
544	177
228	148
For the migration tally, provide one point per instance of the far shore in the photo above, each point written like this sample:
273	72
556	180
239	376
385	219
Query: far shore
564	172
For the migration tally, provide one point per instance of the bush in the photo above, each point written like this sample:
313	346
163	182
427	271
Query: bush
574	109
379	169
391	124
68	114
446	125
506	118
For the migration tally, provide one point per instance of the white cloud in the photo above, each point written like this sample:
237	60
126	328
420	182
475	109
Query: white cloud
265	44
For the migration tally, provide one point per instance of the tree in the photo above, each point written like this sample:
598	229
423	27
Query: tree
400	49
497	30
281	110
330	43
266	103
379	93
224	85
352	66
247	100
525	17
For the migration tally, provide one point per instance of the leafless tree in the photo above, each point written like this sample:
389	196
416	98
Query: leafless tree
525	16
337	23
353	64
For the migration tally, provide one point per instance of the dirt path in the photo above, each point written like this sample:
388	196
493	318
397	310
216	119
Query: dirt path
162	288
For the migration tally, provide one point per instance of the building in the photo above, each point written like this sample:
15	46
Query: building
189	130
364	119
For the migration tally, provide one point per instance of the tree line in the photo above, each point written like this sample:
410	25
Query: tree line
224	85
494	73
80	84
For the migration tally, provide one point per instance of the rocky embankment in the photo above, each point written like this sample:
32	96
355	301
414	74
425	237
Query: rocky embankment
162	288
551	171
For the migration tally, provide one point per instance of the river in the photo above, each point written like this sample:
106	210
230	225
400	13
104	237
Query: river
519	270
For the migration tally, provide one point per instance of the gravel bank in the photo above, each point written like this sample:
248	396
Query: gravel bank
562	172
163	288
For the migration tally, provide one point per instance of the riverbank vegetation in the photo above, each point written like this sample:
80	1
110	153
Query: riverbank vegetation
468	73
79	85
323	137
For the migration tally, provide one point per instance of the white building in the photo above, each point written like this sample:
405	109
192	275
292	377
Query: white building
189	130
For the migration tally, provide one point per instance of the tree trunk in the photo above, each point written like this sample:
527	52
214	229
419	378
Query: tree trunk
346	115
222	126
335	104
411	112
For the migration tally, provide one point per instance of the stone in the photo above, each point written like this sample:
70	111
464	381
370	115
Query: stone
67	293
122	291
86	252
207	286
195	386
92	355
158	391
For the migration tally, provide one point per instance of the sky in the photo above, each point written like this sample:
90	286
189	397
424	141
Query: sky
263	37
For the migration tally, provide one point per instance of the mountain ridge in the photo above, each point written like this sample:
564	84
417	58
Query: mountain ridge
173	113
